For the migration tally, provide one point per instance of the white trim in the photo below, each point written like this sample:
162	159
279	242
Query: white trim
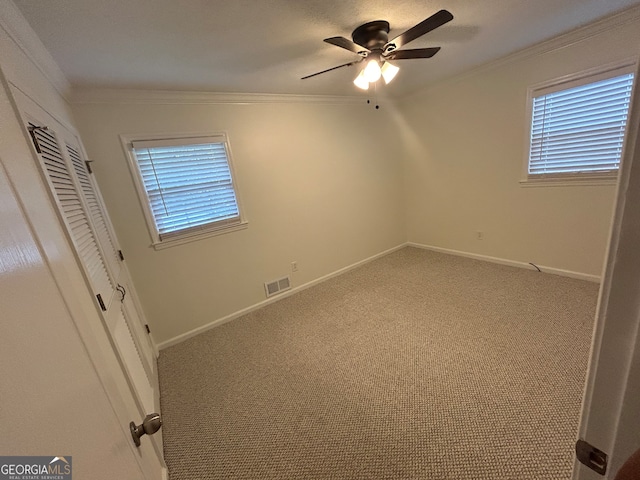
232	316
511	263
14	88
556	43
583	77
168	97
20	32
571	181
200	235
157	141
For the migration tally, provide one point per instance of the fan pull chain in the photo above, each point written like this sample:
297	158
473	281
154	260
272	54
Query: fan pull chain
375	96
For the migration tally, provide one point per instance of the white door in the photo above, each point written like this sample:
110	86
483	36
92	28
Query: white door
611	408
78	246
52	401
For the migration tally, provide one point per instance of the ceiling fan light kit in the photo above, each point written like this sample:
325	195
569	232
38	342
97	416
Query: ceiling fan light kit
371	74
371	43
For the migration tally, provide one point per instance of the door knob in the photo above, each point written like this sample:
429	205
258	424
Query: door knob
150	425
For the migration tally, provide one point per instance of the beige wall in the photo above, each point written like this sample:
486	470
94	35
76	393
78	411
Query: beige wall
465	143
328	185
319	184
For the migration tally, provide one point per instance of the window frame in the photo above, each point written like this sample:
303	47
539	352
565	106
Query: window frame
189	235
566	82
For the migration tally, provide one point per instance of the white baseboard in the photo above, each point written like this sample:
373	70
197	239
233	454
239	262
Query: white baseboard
196	331
511	263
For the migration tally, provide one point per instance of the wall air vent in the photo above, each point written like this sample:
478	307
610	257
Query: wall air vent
277	286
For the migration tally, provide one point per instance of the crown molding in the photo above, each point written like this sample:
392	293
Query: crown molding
170	97
20	32
556	43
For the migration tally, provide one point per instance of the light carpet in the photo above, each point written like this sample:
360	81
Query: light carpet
418	365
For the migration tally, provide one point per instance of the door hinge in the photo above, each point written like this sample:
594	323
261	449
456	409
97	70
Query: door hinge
32	131
88	164
590	456
121	255
147	328
101	302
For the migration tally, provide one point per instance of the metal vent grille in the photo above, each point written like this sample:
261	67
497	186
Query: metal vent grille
277	286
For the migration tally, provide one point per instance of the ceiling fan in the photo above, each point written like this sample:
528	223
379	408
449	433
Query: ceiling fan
371	43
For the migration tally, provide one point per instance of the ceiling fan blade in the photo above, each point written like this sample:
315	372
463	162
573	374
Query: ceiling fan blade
412	53
347	45
434	21
330	69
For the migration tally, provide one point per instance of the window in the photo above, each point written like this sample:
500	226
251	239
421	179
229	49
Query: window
186	186
577	127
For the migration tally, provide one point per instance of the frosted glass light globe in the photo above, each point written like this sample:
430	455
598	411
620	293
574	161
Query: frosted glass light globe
372	71
389	72
361	81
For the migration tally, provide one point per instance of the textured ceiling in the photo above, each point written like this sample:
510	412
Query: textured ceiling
261	46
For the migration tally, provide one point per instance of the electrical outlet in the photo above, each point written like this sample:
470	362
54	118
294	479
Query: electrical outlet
294	266
479	235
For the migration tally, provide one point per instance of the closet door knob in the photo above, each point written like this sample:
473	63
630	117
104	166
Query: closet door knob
150	425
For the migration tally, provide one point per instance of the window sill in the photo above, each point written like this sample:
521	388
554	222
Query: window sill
571	181
199	235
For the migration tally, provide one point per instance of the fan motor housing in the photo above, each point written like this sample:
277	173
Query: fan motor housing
372	35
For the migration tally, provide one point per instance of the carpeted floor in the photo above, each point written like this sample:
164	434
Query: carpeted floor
418	365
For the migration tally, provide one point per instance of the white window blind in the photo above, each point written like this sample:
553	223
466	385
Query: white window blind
580	130
188	183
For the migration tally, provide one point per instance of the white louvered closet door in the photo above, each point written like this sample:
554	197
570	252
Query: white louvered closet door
124	323
74	213
81	206
122	320
96	213
120	324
